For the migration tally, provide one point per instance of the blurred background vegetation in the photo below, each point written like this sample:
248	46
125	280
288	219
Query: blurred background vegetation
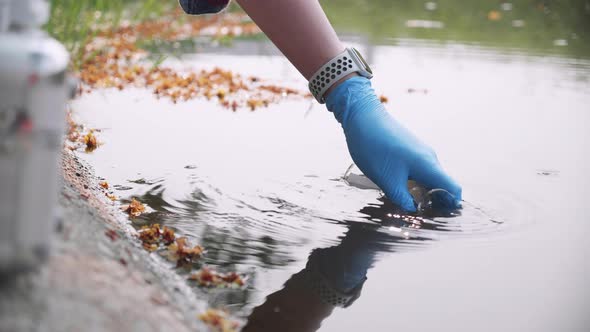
75	22
555	26
560	27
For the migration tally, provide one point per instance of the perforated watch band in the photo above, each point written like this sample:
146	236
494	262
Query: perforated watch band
325	289
347	62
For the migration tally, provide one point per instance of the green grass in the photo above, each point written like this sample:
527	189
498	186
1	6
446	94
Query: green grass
74	22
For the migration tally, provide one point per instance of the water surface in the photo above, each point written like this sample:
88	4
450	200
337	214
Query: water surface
261	191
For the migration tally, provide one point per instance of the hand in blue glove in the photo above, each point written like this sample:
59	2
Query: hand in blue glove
385	151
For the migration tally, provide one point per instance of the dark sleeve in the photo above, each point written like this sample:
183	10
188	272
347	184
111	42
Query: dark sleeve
196	7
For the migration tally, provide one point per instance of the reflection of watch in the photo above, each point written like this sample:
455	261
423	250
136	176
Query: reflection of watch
347	62
326	290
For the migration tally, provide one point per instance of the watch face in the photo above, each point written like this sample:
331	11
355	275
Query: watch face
362	61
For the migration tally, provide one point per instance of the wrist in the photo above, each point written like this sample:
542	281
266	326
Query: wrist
340	81
354	93
348	92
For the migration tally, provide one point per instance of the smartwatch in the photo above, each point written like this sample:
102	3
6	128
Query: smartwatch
349	61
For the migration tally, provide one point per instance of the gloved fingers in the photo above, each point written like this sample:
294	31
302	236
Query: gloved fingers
436	178
400	195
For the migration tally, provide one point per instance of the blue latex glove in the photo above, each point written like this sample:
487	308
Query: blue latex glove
385	151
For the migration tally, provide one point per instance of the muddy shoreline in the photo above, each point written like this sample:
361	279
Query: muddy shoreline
98	277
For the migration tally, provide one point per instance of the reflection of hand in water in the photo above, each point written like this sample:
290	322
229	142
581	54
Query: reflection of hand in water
333	276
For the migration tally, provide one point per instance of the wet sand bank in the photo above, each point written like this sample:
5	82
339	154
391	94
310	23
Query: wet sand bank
97	277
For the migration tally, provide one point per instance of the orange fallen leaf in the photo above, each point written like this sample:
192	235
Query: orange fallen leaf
150	234
209	278
221	93
168	236
233	278
494	15
219	320
181	253
90	140
135	208
279	90
150	247
254	103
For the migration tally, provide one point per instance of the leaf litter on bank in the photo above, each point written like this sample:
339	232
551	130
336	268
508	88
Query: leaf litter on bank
135	208
219	320
90	141
177	249
182	253
206	277
113	60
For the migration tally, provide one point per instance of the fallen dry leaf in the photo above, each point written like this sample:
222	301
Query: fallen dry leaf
150	234
209	278
183	254
90	140
168	236
254	103
178	249
219	320
135	208
150	247
113	60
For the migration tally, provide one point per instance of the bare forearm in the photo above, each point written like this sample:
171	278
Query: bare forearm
299	28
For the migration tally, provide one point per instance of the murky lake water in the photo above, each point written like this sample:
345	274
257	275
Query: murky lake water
261	191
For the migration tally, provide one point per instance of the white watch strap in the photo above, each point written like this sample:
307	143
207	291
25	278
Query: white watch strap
330	73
